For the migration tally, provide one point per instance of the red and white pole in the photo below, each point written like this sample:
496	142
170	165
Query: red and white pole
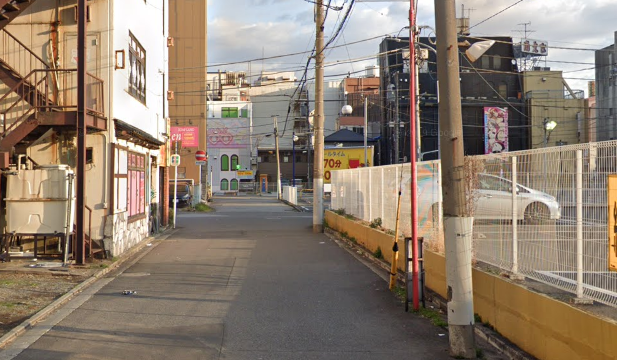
415	274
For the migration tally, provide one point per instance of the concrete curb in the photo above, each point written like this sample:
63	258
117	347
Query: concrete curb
42	314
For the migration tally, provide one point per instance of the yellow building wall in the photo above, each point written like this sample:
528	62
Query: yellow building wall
541	326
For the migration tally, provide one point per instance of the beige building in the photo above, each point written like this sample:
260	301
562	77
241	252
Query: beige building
187	83
550	98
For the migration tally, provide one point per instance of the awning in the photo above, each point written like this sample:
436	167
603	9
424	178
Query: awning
135	135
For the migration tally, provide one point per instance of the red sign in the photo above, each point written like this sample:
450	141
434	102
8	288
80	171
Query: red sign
200	155
188	135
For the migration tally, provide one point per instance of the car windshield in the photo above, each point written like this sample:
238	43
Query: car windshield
182	189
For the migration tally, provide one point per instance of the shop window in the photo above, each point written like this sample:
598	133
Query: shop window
224	184
234	184
244	113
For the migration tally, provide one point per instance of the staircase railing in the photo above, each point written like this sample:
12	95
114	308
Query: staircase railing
18	56
48	90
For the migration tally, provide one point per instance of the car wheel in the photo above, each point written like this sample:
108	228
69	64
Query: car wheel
537	214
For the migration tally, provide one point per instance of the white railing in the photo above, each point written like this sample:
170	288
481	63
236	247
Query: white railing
551	226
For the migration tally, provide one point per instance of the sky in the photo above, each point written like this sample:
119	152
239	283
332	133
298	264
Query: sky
241	33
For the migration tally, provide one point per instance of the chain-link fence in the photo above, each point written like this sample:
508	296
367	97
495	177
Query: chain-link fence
540	213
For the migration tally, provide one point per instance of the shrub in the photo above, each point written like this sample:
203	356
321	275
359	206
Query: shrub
376	223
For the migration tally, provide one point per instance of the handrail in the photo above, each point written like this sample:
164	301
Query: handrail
38	92
46	66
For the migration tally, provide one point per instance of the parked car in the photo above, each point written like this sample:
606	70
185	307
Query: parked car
493	200
184	197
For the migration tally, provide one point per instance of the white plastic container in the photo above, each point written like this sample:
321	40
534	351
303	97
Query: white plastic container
37	201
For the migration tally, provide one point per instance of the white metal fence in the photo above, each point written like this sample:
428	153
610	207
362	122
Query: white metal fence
540	213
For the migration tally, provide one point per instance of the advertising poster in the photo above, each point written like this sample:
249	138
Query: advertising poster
188	135
344	158
495	130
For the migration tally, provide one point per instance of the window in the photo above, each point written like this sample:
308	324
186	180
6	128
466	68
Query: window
224	163
137	66
497	62
286	159
229	112
136	198
224	184
503	89
245	113
234	162
181	172
484	62
234	184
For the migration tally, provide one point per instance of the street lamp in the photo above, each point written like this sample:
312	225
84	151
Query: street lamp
549	126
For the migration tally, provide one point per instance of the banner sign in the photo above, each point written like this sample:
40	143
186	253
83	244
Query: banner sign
495	130
187	135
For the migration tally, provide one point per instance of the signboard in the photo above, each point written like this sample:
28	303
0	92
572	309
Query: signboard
188	135
612	222
344	158
495	130
200	163
175	160
534	47
245	174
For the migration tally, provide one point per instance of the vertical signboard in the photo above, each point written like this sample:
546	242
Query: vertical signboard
612	222
495	130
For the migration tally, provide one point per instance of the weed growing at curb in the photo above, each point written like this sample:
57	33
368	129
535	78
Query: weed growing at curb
376	223
201	207
399	292
378	254
434	316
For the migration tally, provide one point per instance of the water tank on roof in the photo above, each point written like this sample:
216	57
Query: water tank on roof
40	201
372	71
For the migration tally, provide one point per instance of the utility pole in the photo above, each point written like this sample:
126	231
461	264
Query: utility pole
457	224
278	162
366	162
318	167
80	241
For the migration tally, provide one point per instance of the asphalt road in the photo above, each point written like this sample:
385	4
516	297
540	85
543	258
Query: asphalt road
249	281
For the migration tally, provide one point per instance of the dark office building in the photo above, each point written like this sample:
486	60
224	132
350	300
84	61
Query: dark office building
491	81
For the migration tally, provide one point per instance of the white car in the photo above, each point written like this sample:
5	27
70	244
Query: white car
494	201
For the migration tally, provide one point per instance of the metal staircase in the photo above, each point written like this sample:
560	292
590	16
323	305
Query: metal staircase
10	9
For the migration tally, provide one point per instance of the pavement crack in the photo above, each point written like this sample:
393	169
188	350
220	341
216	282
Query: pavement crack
233	266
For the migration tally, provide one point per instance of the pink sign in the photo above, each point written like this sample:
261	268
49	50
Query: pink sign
188	135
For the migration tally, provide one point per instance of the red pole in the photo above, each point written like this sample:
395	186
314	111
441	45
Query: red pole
412	154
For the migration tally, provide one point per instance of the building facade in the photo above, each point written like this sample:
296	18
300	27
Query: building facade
126	66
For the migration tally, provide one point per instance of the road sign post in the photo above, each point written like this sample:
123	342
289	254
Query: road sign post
175	161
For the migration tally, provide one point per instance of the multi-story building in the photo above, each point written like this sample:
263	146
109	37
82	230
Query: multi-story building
492	82
126	107
606	92
187	82
548	97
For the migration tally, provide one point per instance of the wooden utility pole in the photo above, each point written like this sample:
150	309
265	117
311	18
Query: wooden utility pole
318	166
457	224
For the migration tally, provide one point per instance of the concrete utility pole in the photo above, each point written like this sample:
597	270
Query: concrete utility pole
278	162
457	224
80	241
318	167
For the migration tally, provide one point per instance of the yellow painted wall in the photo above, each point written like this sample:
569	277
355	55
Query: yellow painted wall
543	327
